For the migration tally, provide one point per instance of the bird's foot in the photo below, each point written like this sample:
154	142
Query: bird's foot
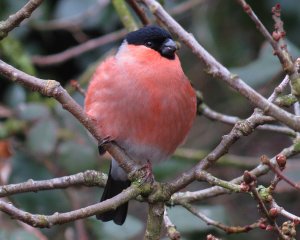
101	144
147	172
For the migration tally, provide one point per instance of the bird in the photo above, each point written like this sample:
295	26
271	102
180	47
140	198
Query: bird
141	99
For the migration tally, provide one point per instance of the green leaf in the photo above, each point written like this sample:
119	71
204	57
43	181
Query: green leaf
41	138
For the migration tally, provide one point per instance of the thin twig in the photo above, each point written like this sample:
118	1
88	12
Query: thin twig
277	42
15	19
172	232
75	84
225	228
284	58
284	212
241	128
260	170
139	11
279	174
88	178
265	211
279	89
231	120
209	178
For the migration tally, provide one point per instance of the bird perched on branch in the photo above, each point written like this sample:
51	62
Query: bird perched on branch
141	99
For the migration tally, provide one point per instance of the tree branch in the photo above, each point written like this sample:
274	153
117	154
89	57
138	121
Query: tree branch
231	120
172	232
277	42
14	20
154	221
53	89
88	178
225	228
44	221
260	170
284	212
139	11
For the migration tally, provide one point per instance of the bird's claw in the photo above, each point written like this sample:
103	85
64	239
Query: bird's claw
147	172
101	144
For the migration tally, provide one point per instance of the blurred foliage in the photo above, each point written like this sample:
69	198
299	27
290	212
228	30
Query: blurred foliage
48	142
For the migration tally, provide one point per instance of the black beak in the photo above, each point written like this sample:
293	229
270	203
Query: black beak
168	48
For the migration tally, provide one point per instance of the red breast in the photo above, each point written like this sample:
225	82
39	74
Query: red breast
143	101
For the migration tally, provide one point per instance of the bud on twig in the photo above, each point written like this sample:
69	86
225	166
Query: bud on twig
249	177
281	161
273	212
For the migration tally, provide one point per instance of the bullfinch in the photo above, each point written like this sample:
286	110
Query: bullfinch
141	99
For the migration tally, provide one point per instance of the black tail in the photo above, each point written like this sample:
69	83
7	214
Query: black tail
114	187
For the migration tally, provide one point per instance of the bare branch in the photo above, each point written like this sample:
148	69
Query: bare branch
213	115
284	213
139	11
88	178
279	89
76	86
277	42
225	228
44	221
241	128
264	209
154	221
274	168
53	89
15	19
172	232
216	116
260	170
212	180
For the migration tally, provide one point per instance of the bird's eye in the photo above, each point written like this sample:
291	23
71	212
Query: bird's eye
149	44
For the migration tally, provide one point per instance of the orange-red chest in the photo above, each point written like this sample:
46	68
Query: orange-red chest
143	101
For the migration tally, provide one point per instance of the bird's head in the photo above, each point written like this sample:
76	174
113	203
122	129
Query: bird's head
155	38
